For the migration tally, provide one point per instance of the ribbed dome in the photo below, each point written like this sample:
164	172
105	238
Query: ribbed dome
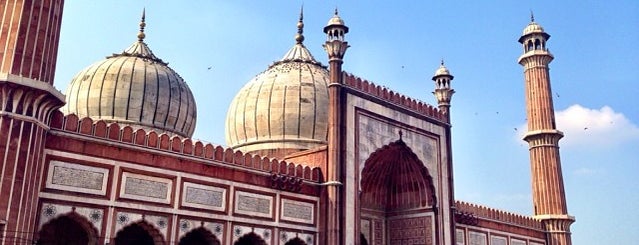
442	70
134	88
283	109
532	27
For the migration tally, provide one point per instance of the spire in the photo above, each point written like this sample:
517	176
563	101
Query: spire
142	25
299	38
532	16
442	63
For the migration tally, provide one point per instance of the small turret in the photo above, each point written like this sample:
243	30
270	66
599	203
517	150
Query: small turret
443	93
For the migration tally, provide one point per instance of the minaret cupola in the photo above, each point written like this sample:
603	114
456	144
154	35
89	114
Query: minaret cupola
443	92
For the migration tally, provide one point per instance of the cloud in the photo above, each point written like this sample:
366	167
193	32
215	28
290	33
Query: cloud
593	128
585	171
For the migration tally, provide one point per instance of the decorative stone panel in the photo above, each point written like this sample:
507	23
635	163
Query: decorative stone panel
253	204
476	238
365	229
50	211
498	240
460	237
297	211
514	241
204	196
146	188
77	178
416	230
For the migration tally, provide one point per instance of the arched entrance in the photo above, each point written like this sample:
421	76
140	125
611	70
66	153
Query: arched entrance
295	241
139	233
395	183
250	239
70	229
199	236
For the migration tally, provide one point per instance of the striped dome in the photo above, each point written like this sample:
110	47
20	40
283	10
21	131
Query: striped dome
134	88
283	109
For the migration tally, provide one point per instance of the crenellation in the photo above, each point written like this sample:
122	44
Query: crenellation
176	144
497	215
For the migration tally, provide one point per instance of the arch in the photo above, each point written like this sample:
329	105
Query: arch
530	46
395	179
537	44
68	229
139	233
295	241
250	239
199	236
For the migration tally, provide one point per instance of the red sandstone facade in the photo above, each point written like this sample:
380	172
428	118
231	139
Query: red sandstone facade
384	176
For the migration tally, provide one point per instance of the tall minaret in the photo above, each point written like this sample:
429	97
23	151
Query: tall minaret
29	37
335	47
443	93
549	198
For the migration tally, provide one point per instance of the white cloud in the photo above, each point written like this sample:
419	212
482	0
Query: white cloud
586	171
592	128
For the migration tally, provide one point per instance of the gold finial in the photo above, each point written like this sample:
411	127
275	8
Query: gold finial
142	25
299	37
442	64
336	14
532	16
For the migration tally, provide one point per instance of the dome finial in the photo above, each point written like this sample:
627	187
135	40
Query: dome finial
142	25
442	63
336	13
532	16
299	38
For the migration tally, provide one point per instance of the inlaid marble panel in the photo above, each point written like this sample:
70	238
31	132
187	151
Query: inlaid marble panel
253	204
204	196
498	240
297	211
77	178
514	241
146	188
476	238
460	237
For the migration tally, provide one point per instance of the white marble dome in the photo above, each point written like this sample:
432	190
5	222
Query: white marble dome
134	88
284	108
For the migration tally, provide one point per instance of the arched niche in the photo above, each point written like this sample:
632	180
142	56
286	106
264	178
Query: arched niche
199	236
394	179
138	233
250	239
68	229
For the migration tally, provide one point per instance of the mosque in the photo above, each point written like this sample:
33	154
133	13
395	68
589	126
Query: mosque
316	155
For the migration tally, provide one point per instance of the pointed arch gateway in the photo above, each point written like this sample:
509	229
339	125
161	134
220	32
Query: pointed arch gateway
139	233
295	241
398	194
199	236
68	229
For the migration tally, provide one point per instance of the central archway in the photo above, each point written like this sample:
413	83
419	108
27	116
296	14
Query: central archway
397	195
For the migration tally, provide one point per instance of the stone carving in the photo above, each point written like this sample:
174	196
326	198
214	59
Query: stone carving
297	211
253	204
410	231
517	242
49	211
476	238
365	228
202	196
77	178
496	240
147	188
378	231
459	237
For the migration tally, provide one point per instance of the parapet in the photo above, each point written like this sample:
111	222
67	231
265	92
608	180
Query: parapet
393	97
179	146
483	212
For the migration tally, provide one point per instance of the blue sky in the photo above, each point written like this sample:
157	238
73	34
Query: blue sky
399	45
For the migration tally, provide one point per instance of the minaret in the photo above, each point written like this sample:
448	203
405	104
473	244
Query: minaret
543	138
443	93
29	37
335	47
